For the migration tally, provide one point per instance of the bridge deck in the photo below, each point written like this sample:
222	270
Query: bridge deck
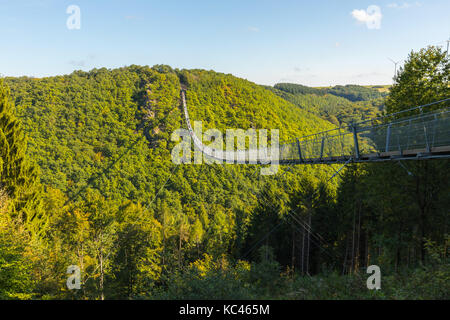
416	154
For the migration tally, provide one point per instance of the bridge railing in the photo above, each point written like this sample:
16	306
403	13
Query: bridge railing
420	133
423	133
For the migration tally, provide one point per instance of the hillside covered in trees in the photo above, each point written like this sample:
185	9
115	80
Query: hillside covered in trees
340	104
87	180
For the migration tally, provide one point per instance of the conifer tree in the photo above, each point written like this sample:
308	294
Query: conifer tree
18	177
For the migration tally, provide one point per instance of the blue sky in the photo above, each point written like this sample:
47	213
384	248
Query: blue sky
316	43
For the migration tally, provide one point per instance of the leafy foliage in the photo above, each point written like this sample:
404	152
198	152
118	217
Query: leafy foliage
108	199
339	109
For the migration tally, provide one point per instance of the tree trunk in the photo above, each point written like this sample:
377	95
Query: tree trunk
308	243
303	251
353	242
345	256
293	250
102	297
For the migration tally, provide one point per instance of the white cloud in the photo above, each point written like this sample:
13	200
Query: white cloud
360	15
404	5
253	29
371	17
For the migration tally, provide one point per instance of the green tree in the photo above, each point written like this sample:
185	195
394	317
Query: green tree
424	78
197	233
137	259
16	280
18	176
102	233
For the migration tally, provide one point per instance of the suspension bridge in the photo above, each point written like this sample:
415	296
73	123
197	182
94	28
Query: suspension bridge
412	134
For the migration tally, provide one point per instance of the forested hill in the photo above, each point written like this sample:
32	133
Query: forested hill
78	123
351	92
339	104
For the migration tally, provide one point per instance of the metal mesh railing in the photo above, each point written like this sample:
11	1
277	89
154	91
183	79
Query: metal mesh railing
415	134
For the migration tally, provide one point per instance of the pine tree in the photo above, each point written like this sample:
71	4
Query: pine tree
18	177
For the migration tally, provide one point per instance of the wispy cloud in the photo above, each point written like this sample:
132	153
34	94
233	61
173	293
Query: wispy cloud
370	74
253	29
404	5
78	63
81	63
299	70
131	17
371	17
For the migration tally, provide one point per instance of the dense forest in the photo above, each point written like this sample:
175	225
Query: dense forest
87	180
339	105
